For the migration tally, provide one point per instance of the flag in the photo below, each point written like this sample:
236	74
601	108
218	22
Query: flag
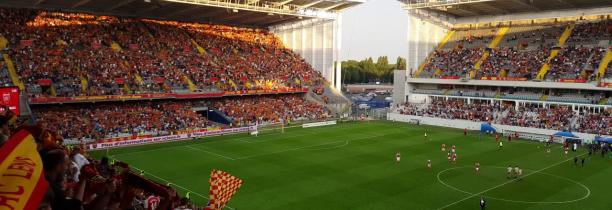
23	184
222	187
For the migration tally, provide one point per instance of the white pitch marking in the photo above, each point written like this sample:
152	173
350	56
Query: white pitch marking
505	183
209	152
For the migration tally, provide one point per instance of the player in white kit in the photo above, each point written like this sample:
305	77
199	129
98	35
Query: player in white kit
397	157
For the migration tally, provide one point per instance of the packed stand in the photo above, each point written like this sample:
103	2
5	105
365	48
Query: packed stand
73	54
71	180
270	109
523	52
516	62
555	118
98	121
571	62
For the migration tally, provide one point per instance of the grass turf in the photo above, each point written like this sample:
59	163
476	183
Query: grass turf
352	166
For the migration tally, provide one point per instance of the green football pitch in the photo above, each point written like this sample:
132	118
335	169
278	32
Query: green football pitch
352	166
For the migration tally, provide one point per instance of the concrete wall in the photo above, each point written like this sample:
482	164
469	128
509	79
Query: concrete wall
423	37
399	86
471	125
317	41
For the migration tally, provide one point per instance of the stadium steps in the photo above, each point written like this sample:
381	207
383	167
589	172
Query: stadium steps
200	49
116	47
553	53
503	73
498	38
12	72
3	42
544	97
52	90
603	101
192	87
498	94
428	58
84	84
446	92
603	65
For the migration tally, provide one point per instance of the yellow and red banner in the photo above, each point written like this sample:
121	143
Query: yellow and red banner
505	78
222	187
566	80
23	184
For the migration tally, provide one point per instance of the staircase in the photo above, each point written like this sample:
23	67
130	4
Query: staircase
428	59
544	97
603	65
12	72
116	47
503	73
3	42
52	90
84	84
498	38
603	101
498	94
553	53
190	85
200	49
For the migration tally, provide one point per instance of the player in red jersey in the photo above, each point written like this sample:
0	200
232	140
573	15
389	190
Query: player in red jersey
497	137
453	149
465	131
152	202
454	158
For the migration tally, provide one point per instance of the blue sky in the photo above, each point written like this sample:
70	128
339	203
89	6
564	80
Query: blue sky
375	28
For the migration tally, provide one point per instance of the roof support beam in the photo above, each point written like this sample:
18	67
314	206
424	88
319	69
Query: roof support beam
566	3
283	2
80	3
489	7
238	15
182	11
334	6
38	2
525	4
120	4
310	4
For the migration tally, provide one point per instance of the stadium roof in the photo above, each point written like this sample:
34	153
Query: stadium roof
235	12
467	8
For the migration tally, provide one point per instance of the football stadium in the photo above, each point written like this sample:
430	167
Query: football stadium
249	104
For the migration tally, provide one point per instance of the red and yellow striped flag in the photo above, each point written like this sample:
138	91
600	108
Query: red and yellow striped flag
23	184
222	187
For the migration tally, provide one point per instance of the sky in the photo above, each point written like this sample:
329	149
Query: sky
375	28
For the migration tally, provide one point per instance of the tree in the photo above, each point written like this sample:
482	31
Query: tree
400	63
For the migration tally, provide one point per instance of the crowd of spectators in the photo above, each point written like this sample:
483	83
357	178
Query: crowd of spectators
84	54
270	109
554	117
572	61
76	181
454	62
524	51
97	121
516	63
